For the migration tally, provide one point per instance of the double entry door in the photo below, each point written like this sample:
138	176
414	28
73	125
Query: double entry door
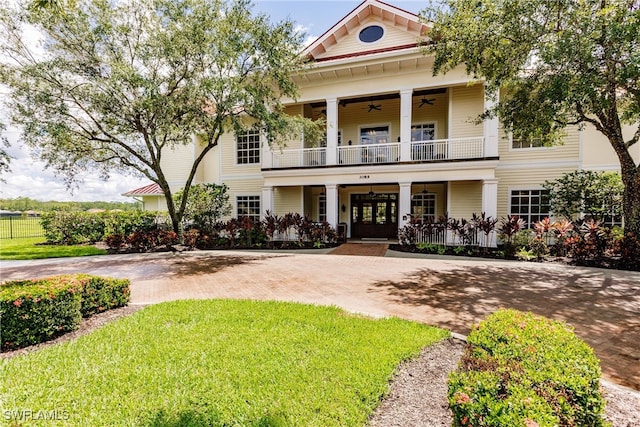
374	215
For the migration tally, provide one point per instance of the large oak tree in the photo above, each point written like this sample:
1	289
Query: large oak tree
115	85
559	62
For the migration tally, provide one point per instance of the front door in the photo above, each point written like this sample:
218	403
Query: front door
374	215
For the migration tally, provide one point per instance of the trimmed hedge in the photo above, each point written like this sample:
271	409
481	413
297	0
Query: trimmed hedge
33	311
520	369
79	227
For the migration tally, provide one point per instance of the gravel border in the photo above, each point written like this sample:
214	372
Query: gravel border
411	403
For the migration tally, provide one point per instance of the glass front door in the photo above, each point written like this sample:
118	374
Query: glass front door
374	215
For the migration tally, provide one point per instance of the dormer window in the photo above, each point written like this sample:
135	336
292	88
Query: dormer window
371	34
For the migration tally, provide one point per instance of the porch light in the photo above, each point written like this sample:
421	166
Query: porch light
424	190
371	193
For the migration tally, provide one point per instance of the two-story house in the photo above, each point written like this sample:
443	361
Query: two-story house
399	141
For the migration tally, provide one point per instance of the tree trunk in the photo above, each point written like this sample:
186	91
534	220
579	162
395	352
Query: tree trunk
631	199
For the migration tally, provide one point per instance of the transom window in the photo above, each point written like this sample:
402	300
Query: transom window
423	206
374	135
248	206
530	205
248	147
423	132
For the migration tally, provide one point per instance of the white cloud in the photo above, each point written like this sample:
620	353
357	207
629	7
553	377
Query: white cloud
29	178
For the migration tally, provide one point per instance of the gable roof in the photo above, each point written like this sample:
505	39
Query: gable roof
368	10
147	190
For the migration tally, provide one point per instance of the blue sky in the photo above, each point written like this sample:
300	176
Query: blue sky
28	178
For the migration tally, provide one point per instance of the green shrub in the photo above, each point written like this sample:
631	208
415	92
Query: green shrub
79	227
102	293
36	311
72	227
520	369
32	311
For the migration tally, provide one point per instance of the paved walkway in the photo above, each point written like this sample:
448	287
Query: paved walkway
602	305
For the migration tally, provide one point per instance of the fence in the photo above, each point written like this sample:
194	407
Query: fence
18	227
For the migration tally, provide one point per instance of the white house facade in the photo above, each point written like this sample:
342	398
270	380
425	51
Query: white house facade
399	141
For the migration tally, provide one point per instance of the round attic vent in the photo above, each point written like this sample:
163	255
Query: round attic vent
371	34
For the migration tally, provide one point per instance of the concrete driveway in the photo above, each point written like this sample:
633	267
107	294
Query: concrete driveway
602	305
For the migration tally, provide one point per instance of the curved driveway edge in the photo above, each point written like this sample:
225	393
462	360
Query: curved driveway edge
602	305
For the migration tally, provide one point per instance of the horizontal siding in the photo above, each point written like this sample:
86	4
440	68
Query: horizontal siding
597	150
210	167
465	198
468	103
287	199
522	179
353	116
351	43
151	203
437	113
569	148
440	190
176	164
229	166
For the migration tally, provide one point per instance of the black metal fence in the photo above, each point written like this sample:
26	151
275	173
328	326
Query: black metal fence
18	227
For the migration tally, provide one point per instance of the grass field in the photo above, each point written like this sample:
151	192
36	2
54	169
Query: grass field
218	363
20	227
29	248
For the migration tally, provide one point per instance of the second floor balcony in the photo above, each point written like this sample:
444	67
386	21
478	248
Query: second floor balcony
388	153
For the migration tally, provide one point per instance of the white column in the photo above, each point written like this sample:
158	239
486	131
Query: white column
404	210
332	204
490	126
267	200
332	130
490	204
405	124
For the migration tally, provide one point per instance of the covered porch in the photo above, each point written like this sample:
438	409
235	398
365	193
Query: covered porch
379	210
408	126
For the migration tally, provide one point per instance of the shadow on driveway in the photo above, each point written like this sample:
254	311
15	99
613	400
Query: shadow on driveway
604	312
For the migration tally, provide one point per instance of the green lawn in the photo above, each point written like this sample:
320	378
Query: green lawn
219	363
28	248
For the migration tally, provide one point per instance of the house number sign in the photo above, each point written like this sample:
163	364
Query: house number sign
365	176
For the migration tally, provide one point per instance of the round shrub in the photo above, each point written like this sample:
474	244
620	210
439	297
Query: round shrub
520	369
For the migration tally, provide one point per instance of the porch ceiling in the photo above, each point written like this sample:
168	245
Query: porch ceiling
381	97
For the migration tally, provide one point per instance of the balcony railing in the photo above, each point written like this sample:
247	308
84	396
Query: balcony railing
367	154
304	157
448	149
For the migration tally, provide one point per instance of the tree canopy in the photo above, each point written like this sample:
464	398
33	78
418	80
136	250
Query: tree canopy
596	195
558	63
116	85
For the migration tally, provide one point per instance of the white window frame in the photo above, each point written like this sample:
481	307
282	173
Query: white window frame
258	150
249	198
510	205
532	148
322	201
379	24
435	204
387	125
435	130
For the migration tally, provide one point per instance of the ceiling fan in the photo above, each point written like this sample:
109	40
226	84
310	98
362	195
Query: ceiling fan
373	106
426	101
